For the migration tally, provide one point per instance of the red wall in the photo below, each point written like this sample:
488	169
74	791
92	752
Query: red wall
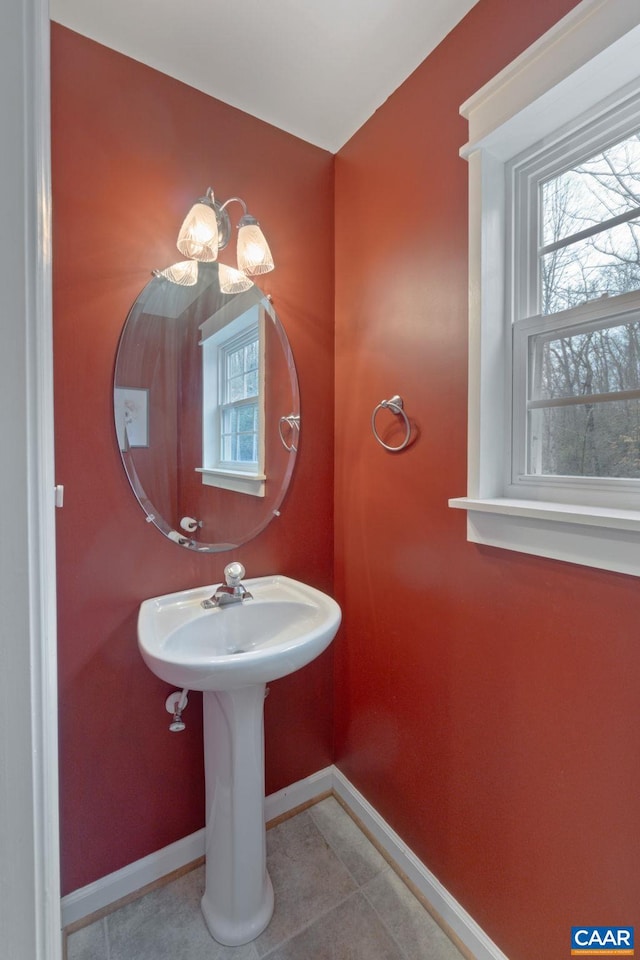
487	703
132	149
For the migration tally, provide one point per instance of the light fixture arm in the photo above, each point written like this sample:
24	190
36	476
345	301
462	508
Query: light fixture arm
236	200
246	219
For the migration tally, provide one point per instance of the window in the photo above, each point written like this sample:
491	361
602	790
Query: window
238	409
582	408
588	227
554	304
575	316
233	403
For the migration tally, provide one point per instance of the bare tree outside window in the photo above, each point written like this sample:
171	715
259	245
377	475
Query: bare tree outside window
584	410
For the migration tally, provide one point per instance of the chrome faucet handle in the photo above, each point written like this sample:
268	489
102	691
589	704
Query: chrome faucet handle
233	573
232	592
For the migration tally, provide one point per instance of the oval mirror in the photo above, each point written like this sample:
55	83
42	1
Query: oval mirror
206	409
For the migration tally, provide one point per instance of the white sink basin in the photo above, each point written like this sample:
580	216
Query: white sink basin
286	625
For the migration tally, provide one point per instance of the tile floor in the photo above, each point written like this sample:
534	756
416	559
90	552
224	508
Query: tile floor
336	899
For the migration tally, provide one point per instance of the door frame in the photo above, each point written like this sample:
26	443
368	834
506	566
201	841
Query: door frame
29	822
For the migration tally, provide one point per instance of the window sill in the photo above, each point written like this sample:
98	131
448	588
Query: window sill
249	483
592	536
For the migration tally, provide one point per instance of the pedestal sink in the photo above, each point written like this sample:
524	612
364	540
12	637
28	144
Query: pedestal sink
230	652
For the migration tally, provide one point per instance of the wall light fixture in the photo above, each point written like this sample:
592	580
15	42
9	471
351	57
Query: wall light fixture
206	229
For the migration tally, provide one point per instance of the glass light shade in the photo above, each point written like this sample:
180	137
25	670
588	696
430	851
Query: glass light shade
232	281
185	273
254	255
198	237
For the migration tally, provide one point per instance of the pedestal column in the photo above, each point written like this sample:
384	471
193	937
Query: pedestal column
238	898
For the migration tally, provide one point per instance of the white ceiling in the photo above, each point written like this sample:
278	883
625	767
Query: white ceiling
315	68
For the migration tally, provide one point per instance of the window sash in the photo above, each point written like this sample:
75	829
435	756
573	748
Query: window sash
229	439
524	177
239	347
232	434
529	337
222	440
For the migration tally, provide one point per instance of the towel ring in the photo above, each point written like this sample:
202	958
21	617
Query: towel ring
294	424
396	406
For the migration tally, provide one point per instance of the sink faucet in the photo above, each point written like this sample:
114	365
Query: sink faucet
233	591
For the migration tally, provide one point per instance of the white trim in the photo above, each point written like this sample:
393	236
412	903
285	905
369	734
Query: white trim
122	883
234	307
102	893
551	510
276	804
30	901
549	72
605	539
591	54
451	912
252	484
487	349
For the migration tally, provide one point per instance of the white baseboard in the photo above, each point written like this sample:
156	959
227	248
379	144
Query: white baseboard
102	893
106	891
298	793
456	917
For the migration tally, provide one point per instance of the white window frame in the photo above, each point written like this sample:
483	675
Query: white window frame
586	65
600	492
522	320
239	477
229	345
